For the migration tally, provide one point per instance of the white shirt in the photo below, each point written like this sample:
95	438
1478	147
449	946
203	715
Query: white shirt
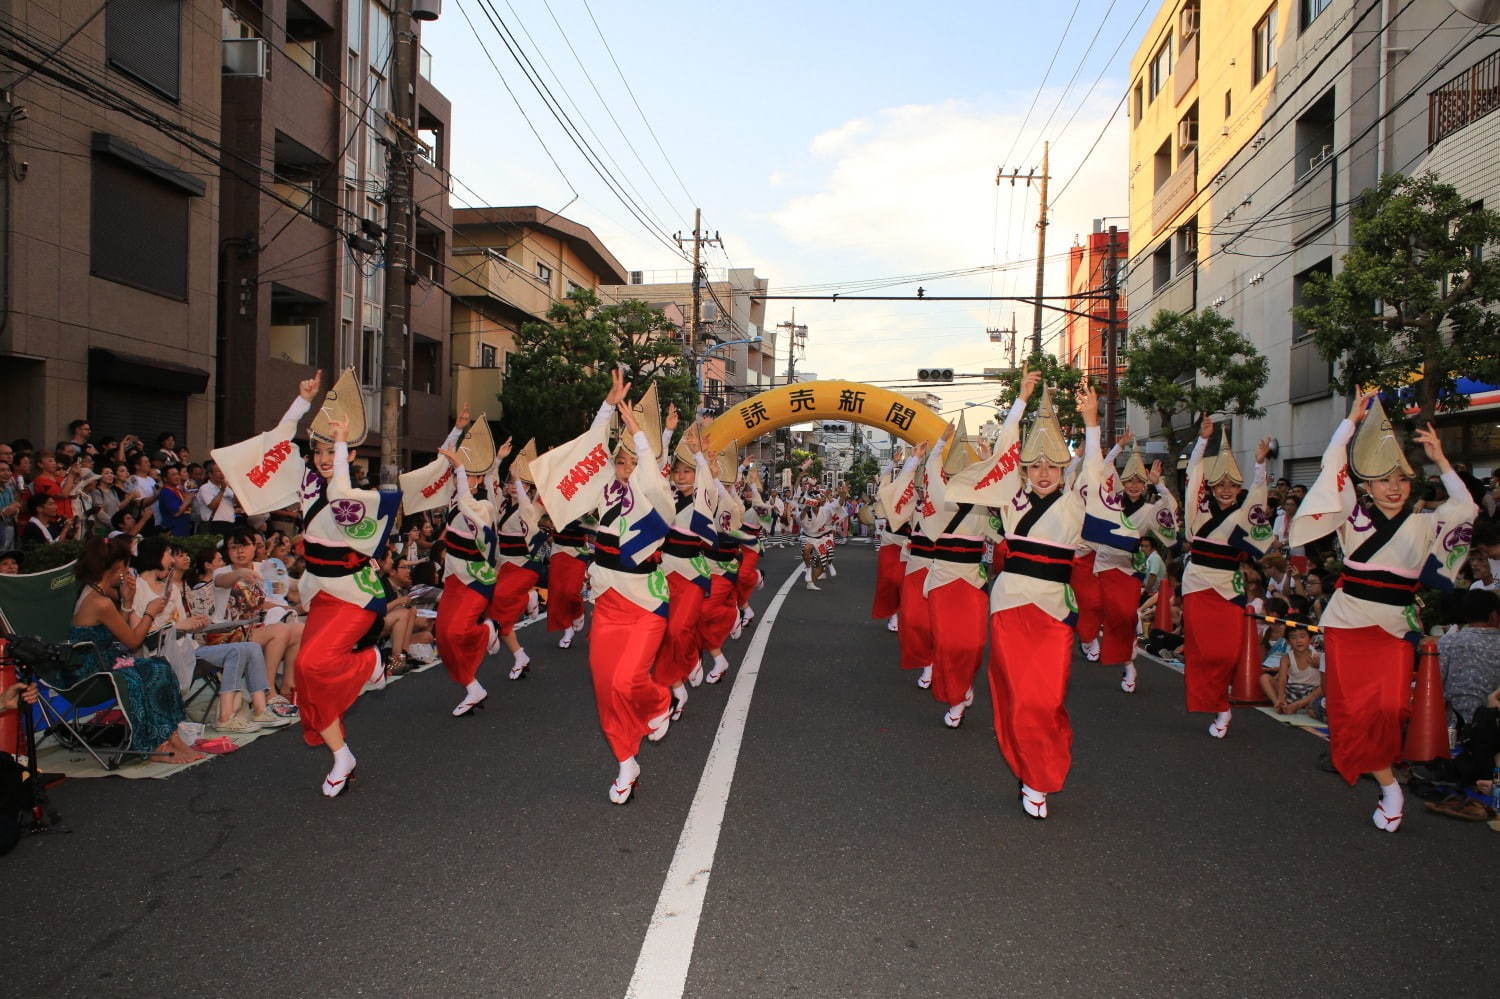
203	504
143	486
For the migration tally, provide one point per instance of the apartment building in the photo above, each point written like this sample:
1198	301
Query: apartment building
1253	126
1085	340
306	128
110	208
510	265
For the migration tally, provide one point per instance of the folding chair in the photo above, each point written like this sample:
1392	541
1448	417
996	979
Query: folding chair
69	694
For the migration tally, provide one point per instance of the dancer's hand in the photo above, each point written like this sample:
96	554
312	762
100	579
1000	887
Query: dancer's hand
1029	381
1361	407
1262	450
452	456
503	451
619	388
1125	439
1154	474
1433	448
463	420
1206	427
627	414
338	429
1087	399
308	388
672	417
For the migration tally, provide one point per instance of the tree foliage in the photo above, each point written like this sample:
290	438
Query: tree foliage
1064	380
794	462
1193	363
559	373
1417	250
860	474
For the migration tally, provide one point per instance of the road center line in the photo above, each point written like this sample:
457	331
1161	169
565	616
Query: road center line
667	952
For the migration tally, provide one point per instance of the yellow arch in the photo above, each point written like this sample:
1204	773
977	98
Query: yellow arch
803	402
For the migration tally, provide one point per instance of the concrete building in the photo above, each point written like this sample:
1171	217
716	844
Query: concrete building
1253	126
931	400
107	254
729	313
510	265
305	127
1085	341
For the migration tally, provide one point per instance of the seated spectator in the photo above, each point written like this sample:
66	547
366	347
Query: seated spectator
43	526
239	595
153	702
173	507
1315	586
1478	572
1470	662
1297	682
242	664
1273	643
106	498
1167	644
402	625
10	563
214	505
10	502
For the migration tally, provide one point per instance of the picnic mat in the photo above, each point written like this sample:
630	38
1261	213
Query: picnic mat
56	758
1298	720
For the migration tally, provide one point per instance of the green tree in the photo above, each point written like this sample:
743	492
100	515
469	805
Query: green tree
559	372
1195	363
861	473
1418	251
794	462
1064	380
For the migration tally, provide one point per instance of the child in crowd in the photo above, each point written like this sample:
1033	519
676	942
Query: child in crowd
1297	684
1273	643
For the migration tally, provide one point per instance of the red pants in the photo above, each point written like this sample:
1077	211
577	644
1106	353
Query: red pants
462	638
1368	681
716	619
1086	592
748	577
958	614
678	653
916	628
330	675
1212	630
622	643
889	571
1119	601
512	587
565	576
1031	654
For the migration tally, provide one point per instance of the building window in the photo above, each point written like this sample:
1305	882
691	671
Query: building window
426	360
574	286
1161	67
1228	105
1299	288
1161	267
294	327
132	208
1311	9
1161	165
1265	47
1138	104
544	272
143	38
369	356
1187	244
487	355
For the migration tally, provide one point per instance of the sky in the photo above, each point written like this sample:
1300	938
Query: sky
824	142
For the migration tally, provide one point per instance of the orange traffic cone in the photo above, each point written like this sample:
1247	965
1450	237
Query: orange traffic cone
1163	619
1427	731
1245	688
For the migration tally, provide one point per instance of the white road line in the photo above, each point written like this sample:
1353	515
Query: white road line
661	970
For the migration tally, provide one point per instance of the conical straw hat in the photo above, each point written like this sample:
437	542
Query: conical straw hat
1375	451
961	450
520	465
1044	443
1222	465
477	448
344	401
1135	466
729	465
648	415
691	439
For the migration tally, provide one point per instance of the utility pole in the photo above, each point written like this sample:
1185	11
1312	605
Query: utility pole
795	334
403	84
698	241
1041	238
1112	292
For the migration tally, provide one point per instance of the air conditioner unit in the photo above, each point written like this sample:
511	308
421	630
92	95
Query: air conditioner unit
246	57
637	277
1187	133
1189	22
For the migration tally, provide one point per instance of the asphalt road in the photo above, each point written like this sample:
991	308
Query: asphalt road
866	850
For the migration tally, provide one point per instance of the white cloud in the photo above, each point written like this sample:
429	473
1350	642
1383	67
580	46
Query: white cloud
833	140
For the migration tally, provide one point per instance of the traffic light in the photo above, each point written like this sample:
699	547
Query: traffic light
934	374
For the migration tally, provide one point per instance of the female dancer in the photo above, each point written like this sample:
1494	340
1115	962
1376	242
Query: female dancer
1031	603
954	584
1371	622
464	634
630	593
890	564
1224	524
567	571
1147	508
753	525
902	499
678	661
720	610
517	524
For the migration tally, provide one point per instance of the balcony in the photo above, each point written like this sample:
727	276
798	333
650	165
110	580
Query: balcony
1185	74
1312	202
1176	194
1311	373
1182	294
479	389
486	274
1464	99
